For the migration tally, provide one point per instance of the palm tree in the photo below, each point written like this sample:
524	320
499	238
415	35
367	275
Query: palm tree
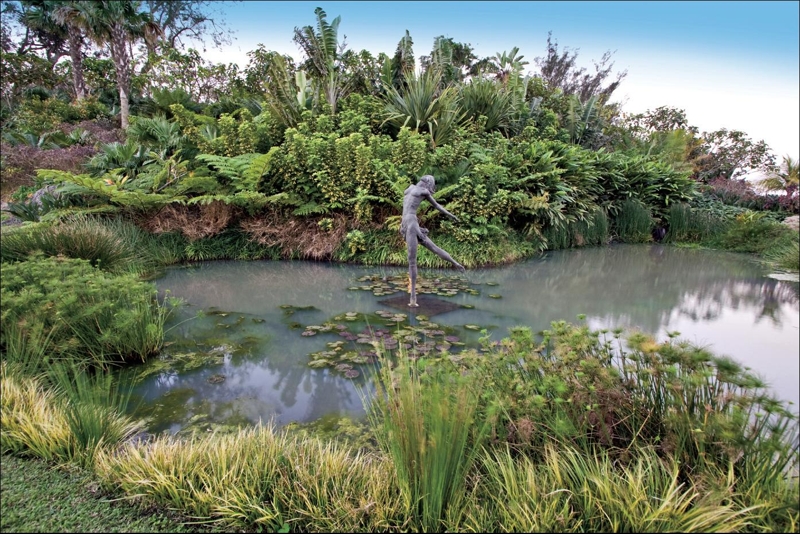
116	24
323	56
46	16
784	178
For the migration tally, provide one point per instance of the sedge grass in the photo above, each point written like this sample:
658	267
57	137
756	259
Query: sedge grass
94	408
115	245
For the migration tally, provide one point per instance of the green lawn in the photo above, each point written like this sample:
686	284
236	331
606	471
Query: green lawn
35	497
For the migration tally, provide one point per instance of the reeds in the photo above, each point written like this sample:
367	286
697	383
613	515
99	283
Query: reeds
687	224
429	427
634	222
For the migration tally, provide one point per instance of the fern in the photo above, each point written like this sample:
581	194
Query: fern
310	208
244	172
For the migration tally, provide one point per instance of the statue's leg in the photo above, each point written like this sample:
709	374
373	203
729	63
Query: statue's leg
427	243
411	243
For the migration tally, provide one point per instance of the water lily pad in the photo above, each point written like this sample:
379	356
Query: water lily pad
215	379
316	364
308	333
468	306
343	367
472	327
492	284
255	320
495	296
351	373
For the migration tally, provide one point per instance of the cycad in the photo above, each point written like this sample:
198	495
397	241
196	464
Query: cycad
482	97
158	134
581	119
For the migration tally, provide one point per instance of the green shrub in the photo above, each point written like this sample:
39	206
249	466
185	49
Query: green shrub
752	232
86	313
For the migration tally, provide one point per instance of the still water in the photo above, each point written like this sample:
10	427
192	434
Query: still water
236	352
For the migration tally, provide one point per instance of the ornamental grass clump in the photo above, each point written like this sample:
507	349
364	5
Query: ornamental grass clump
115	245
570	491
258	478
31	424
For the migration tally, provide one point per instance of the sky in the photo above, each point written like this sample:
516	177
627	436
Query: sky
731	65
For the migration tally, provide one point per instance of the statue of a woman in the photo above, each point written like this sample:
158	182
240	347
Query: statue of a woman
413	234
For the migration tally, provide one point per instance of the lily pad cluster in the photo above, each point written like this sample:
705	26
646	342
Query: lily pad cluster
384	331
445	286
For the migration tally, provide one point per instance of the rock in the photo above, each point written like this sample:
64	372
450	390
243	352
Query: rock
36	197
792	222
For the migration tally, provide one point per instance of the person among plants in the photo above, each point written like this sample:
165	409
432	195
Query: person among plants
413	234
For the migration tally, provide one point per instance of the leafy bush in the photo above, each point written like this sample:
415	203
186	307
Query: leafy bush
86	313
753	232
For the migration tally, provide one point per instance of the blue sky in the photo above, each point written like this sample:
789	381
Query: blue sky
730	65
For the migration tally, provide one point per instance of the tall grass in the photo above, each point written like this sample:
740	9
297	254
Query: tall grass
428	426
687	224
115	246
634	223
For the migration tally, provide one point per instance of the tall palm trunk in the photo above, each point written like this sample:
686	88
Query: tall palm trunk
119	53
76	54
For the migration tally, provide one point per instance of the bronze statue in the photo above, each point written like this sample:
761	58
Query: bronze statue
413	234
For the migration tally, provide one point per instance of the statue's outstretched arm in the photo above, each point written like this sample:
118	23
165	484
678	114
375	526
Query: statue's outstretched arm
440	207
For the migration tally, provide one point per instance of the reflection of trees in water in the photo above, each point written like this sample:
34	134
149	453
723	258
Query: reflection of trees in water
241	395
641	285
768	296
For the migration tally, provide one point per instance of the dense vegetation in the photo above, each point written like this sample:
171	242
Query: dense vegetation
175	159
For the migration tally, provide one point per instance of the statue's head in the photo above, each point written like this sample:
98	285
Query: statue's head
428	183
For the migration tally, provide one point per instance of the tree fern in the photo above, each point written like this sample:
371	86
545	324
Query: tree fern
243	172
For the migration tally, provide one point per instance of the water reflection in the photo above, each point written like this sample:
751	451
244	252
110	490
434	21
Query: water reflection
720	300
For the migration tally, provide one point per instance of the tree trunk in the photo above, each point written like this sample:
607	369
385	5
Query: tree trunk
76	54
119	53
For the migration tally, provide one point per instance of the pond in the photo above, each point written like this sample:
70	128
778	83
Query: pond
239	350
